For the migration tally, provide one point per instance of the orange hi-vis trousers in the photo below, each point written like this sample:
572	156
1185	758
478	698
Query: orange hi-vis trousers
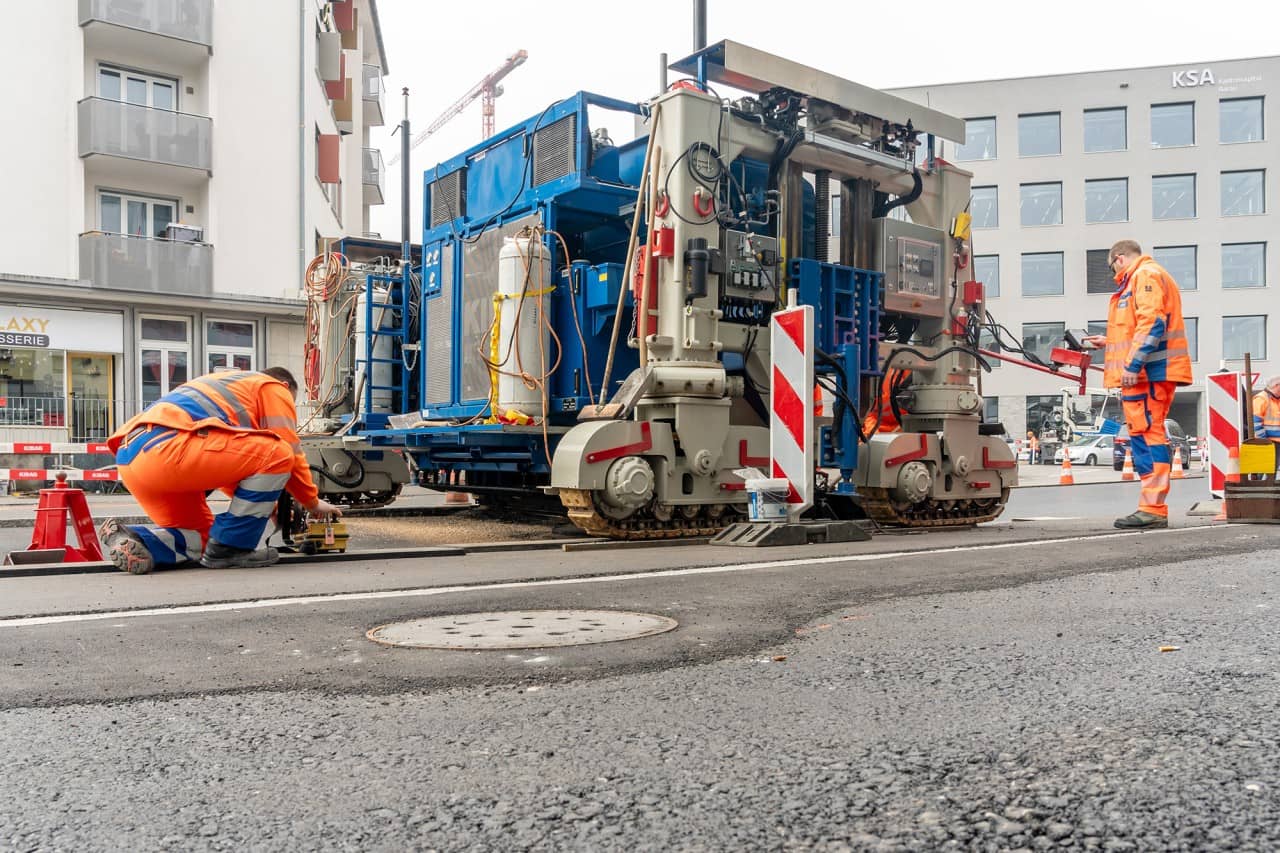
169	471
1146	405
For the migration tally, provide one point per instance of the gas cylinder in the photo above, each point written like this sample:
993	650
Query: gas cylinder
524	342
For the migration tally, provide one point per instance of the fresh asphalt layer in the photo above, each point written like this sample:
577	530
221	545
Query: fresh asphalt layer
997	689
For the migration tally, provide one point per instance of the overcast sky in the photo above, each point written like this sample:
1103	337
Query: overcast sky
441	48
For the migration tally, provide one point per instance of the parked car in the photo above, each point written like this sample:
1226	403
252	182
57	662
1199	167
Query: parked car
1177	440
1088	450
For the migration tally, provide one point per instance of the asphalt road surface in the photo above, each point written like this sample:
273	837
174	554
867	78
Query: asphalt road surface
1000	688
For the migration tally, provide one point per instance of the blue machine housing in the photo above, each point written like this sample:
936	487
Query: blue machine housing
549	170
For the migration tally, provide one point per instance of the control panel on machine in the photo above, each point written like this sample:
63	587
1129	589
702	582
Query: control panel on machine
911	257
749	284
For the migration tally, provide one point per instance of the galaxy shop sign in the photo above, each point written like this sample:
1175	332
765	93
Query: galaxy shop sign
47	328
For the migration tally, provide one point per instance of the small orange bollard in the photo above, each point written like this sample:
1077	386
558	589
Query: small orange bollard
1127	472
1177	472
1066	478
50	532
1231	474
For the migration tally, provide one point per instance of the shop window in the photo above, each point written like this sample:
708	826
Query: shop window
229	345
32	387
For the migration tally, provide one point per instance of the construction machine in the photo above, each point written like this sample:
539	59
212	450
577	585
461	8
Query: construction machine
587	322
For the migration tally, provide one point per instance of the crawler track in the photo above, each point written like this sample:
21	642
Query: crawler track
878	504
643	524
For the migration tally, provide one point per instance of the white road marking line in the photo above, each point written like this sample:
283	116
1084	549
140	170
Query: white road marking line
424	592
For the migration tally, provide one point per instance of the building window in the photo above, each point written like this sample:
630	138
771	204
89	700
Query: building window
1040	204
1244	264
1097	327
133	87
228	345
1098	277
985	207
135	215
1242	335
1173	197
1179	262
1240	120
1106	130
1042	274
1106	200
1039	339
990	410
979	140
1193	337
1039	134
164	353
986	269
1173	125
987	341
1244	193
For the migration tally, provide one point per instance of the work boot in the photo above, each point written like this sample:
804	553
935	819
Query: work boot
1142	521
125	548
219	556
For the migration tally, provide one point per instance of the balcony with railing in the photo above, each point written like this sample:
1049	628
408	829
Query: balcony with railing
374	92
124	262
188	21
372	176
118	129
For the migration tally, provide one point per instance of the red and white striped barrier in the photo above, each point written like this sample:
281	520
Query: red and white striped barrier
1225	393
790	402
73	474
43	447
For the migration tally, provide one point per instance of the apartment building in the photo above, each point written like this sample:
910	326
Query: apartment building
1182	158
170	168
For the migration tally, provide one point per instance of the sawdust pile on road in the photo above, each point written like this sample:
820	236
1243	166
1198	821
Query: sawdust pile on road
454	529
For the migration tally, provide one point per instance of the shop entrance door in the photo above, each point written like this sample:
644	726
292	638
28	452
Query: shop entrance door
89	401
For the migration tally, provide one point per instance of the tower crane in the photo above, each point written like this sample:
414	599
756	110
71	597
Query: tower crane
486	90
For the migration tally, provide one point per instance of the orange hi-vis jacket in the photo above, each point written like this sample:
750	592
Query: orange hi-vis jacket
239	401
1145	330
883	410
1266	416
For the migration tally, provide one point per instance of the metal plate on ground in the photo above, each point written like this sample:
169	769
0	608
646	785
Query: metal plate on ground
520	629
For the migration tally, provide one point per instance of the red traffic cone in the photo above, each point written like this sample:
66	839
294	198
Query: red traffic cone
1065	478
50	532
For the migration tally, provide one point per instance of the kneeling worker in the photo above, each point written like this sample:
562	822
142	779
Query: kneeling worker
234	431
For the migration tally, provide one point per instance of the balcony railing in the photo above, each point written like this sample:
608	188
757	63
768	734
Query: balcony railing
127	130
122	262
372	173
187	20
374	89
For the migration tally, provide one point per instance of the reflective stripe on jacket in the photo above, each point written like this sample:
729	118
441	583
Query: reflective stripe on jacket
1145	330
1266	416
240	401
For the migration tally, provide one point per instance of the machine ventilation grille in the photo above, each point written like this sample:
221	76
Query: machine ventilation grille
439	341
554	151
448	198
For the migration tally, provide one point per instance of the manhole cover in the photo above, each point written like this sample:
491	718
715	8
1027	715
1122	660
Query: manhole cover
521	629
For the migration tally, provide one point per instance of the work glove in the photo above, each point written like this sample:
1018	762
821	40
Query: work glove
324	509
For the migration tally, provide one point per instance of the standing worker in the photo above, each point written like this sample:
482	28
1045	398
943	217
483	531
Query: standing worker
882	420
1266	413
234	431
1147	358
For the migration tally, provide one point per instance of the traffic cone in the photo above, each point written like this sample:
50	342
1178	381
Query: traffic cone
1231	474
1177	473
50	531
1065	478
1126	473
